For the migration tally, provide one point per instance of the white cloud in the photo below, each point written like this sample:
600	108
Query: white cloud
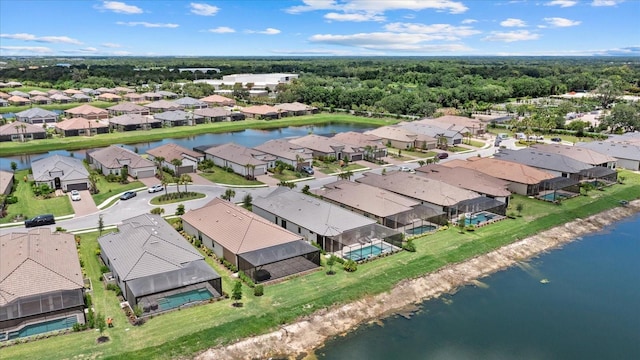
204	9
147	24
222	30
354	17
119	7
314	52
44	39
121	53
267	31
111	45
87	50
469	21
511	36
437	31
606	2
561	22
378	6
389	41
21	50
561	3
511	22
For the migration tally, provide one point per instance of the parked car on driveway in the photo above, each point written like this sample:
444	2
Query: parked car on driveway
46	219
406	169
75	195
442	155
307	170
156	188
128	195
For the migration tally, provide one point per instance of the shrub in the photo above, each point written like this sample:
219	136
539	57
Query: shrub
104	269
91	319
409	246
11	199
60	229
157	211
247	280
98	252
197	243
319	247
180	210
258	290
350	266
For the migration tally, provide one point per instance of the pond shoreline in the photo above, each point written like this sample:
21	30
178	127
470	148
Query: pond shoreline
311	332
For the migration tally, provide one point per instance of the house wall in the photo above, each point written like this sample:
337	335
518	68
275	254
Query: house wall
518	188
629	164
399	144
308	235
143	172
217	249
237	168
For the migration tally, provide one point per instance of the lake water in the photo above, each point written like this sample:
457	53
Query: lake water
590	309
248	138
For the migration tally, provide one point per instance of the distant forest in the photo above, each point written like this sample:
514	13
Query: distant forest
393	85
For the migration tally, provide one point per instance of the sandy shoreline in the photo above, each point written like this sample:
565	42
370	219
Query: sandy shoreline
311	332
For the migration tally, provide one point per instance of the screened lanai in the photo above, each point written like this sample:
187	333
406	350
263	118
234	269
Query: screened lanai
558	188
279	261
417	220
363	242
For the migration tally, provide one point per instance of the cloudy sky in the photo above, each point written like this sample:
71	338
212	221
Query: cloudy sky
320	27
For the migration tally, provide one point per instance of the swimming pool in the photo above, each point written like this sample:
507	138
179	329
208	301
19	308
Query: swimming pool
558	196
177	300
44	327
420	229
367	251
479	218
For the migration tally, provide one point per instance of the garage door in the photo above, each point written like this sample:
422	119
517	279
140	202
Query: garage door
82	186
146	174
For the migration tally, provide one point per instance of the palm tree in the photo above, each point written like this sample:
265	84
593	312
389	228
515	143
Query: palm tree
159	160
165	182
345	175
250	169
228	194
185	179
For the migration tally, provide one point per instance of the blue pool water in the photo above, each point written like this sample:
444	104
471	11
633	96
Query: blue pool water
479	218
558	196
177	300
366	251
420	229
44	327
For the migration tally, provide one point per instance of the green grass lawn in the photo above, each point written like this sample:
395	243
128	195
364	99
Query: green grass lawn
474	143
190	196
287	175
109	189
221	176
334	167
29	206
185	332
131	137
418	154
457	149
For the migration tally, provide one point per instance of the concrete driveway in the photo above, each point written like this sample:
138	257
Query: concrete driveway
85	206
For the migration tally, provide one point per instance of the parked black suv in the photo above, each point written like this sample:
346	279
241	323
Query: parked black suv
46	219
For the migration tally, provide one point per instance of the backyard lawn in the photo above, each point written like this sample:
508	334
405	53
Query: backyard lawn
29	206
185	332
221	176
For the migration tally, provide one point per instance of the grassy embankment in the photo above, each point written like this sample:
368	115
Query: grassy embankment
183	333
132	137
28	207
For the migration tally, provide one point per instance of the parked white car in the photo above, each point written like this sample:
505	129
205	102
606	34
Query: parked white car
156	188
75	195
406	169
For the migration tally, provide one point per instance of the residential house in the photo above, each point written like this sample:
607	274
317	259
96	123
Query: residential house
582	154
218	100
13	84
4	95
372	146
33	93
401	138
6	182
104	90
287	152
18	101
162	106
470	179
17	131
152	96
127	108
109	97
121	90
79	126
71	92
296	109
170	152
133	97
256	246
452	136
40	100
152	264
129	122
112	159
333	228
3	103
167	94
386	207
458	123
81	98
20	94
89	92
217	114
53	92
87	111
60	172
263	112
242	160
435	194
556	164
61	98
632	138
37	116
178	118
40	281
626	154
523	179
327	147
191	103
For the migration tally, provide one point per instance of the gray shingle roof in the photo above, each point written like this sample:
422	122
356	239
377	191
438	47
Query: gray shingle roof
146	245
313	214
63	167
132	119
115	157
176	115
616	150
36	113
543	160
189	101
